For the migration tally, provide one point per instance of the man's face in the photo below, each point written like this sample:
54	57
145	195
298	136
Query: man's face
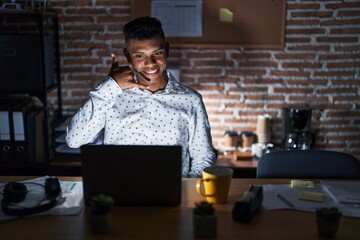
148	58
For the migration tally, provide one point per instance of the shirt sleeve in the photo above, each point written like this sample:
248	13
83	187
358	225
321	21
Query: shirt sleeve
90	119
201	151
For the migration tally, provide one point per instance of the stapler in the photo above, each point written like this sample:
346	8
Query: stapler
247	206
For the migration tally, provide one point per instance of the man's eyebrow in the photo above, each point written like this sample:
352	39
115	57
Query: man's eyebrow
160	49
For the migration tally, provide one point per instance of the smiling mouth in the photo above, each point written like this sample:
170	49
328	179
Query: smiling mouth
151	71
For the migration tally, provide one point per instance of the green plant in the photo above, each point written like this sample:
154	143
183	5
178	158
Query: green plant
204	208
328	213
101	204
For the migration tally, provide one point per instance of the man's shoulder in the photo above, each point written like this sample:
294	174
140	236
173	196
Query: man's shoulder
181	88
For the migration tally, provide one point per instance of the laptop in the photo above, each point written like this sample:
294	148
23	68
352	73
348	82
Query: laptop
139	175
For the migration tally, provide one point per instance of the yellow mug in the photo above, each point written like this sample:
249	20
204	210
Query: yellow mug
215	183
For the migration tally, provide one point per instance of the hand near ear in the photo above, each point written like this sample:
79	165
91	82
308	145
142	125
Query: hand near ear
123	75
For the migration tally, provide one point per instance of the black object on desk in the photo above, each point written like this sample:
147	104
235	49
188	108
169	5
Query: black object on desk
246	207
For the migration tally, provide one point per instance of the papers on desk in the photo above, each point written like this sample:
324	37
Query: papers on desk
335	193
343	192
72	193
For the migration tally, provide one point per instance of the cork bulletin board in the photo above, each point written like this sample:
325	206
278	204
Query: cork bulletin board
253	24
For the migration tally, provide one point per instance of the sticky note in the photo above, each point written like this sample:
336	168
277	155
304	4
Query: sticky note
302	184
311	196
225	15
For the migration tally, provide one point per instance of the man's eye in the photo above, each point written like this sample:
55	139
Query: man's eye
139	55
159	52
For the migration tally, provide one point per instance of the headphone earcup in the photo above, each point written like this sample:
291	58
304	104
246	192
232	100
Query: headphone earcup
52	188
15	192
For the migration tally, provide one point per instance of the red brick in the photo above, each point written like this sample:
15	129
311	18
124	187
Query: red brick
307	82
207	88
290	73
311	48
202	71
250	55
354	30
302	22
319	14
348	13
310	99
213	63
262	81
215	55
328	73
293	90
306	6
306	31
342	22
342	5
297	39
245	72
301	65
343	65
337	39
348	48
339	56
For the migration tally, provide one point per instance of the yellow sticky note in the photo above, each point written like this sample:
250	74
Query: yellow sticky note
225	15
312	196
302	184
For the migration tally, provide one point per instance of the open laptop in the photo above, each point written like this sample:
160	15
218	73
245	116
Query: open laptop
133	175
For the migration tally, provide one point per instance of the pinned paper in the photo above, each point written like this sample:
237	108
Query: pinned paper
225	15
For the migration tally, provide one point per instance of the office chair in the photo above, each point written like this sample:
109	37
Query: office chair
308	164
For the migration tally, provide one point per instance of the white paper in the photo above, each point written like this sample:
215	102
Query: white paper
272	202
343	192
179	18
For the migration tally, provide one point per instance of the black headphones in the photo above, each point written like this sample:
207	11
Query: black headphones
15	192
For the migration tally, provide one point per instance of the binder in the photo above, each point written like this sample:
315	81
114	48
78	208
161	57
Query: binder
39	121
23	124
6	148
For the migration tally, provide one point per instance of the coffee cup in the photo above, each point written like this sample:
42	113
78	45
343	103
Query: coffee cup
260	149
215	183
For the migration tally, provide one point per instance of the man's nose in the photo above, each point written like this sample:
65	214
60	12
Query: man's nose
150	60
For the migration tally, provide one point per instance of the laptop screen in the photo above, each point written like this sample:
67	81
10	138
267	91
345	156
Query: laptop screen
139	175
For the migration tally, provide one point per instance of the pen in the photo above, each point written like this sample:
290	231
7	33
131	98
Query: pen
284	200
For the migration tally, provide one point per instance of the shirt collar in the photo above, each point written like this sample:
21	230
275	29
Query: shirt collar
173	85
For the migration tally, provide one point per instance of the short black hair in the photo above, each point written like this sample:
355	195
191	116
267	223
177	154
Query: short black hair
143	28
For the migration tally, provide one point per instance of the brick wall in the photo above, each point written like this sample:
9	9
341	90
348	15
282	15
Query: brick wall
319	67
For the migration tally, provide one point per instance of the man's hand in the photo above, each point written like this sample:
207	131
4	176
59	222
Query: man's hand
123	75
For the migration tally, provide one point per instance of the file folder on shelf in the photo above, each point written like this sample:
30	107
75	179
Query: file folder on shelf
21	117
6	151
21	132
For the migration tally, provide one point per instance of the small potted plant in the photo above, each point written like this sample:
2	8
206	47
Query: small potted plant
101	205
204	219
327	221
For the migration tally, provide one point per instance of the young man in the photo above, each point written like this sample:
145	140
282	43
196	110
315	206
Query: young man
143	104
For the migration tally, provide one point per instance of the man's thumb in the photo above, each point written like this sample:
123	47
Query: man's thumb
115	59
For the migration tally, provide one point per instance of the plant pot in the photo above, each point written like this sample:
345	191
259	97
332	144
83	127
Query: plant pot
99	223
327	228
204	226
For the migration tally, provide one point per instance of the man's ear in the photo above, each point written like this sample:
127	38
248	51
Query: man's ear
127	55
167	49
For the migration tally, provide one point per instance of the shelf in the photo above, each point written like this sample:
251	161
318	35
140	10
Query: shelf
30	66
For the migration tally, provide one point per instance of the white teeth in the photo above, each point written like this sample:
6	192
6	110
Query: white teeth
151	72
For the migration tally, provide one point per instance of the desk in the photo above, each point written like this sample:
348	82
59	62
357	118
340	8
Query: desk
176	222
